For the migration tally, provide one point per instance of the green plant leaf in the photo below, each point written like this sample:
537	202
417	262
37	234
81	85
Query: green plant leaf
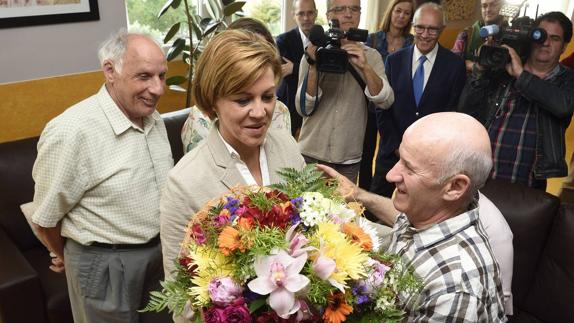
233	8
164	8
256	304
226	2
176	48
203	23
211	28
175	4
175	80
172	31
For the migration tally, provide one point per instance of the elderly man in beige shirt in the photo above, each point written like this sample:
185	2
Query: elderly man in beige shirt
99	173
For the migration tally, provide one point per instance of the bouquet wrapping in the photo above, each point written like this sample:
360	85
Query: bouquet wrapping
293	252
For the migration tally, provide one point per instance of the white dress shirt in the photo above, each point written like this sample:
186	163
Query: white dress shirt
242	167
428	64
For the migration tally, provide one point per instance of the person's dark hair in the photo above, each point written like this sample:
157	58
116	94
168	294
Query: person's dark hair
560	18
254	26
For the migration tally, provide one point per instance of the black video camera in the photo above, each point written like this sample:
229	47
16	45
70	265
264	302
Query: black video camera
329	56
519	36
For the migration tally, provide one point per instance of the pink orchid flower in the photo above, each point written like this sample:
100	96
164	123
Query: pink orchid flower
297	242
324	267
278	275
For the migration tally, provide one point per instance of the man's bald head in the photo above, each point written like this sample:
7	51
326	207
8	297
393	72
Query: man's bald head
457	144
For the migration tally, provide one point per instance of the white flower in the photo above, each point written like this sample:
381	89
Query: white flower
316	208
370	229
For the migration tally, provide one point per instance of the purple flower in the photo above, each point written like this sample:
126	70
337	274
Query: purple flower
214	315
224	291
237	313
359	291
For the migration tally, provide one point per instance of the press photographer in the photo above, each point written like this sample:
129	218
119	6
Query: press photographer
527	107
334	105
519	36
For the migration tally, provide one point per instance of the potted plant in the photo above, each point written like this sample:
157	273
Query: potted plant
188	45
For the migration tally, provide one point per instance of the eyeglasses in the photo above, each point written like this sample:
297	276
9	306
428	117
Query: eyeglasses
340	9
306	13
432	31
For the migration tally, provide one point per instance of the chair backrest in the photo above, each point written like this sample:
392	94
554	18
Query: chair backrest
174	123
530	214
17	187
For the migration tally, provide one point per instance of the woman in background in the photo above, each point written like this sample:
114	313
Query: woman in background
197	125
395	29
235	83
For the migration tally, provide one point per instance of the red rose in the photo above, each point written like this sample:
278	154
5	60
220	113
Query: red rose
237	313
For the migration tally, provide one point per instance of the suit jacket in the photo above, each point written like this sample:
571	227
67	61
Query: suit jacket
205	173
291	47
441	93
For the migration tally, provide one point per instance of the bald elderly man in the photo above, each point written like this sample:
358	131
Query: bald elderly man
444	159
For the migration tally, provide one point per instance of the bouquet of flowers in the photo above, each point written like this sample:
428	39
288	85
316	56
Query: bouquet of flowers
289	253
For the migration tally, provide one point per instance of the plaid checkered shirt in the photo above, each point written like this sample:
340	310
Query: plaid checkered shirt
460	276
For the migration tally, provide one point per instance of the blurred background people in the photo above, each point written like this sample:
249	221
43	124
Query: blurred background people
468	41
426	78
291	46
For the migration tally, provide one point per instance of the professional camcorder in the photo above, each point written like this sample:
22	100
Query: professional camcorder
519	36
329	56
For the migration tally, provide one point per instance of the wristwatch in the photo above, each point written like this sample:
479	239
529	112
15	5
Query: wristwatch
310	61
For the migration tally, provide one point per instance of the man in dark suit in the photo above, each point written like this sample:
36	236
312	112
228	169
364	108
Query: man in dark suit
291	45
426	78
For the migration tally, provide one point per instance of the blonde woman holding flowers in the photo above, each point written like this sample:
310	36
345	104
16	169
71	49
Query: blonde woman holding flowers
235	84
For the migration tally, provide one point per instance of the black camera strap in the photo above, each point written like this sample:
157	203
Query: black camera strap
303	95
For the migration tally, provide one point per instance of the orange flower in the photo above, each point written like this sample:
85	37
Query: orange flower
229	240
245	223
357	235
337	309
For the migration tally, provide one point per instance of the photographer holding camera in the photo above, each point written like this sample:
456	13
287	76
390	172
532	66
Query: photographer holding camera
526	107
334	105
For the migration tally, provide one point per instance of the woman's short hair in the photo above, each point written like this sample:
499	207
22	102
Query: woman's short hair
253	25
231	62
386	23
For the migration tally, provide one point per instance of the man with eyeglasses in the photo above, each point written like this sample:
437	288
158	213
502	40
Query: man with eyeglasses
527	107
291	46
334	106
426	78
468	41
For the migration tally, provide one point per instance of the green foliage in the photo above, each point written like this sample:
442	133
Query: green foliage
173	295
318	289
145	13
309	179
179	18
268	12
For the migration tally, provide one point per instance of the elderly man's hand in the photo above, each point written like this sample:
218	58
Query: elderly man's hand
346	188
514	68
57	264
356	54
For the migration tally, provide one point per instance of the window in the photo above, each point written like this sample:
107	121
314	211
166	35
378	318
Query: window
266	11
142	16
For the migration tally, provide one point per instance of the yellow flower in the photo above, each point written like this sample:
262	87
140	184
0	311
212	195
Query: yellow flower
211	264
349	257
